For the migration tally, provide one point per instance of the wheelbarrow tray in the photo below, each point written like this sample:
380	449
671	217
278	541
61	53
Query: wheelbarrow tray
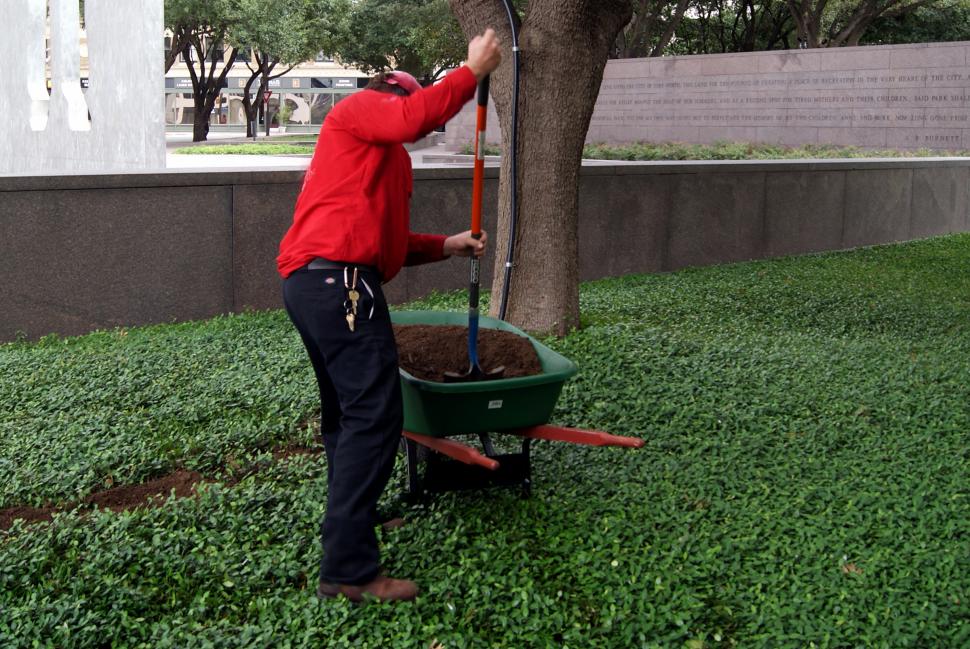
442	409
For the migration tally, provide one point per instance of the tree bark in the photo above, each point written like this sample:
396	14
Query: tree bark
554	112
250	106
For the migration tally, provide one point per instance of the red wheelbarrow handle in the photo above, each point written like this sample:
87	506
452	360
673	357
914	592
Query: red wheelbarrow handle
454	450
578	436
468	455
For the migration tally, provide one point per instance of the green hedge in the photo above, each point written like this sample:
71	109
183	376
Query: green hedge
247	149
733	151
804	480
746	151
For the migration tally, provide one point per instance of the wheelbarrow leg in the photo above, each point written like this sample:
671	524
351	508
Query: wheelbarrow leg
527	461
414	489
487	445
450	465
523	462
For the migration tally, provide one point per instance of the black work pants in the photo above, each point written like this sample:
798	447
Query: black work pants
361	411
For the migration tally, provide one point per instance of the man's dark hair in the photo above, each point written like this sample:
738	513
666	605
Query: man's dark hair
380	84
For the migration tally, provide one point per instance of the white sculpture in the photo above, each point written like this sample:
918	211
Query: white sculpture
117	123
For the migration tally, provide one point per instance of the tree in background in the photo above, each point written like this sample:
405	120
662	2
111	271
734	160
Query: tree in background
665	27
651	29
282	33
668	27
837	23
720	26
418	36
201	28
565	45
937	23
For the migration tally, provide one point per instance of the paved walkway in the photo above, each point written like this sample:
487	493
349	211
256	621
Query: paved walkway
215	162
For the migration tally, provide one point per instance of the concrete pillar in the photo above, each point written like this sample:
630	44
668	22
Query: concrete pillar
118	123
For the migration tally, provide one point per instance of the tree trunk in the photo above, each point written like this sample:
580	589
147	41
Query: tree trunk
264	86
203	111
200	124
264	72
554	112
807	21
249	108
206	86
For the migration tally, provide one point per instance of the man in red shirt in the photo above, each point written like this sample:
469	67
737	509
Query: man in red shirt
351	233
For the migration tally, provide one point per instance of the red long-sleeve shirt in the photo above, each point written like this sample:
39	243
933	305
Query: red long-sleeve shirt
354	205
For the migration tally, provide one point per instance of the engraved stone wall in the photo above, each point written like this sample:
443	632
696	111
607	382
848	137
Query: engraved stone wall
117	123
896	96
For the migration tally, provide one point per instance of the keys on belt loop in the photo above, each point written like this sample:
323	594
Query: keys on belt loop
350	283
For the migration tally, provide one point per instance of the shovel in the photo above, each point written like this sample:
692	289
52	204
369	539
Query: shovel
475	371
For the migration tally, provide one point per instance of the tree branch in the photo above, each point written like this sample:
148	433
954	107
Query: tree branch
273	65
675	20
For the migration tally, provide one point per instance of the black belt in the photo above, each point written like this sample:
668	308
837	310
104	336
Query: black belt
320	263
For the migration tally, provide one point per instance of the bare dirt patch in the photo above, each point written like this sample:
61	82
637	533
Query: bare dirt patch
117	499
147	494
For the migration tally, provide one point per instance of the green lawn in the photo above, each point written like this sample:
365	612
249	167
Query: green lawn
805	478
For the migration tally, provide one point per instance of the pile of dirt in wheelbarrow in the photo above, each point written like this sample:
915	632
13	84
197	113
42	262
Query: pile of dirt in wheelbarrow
428	351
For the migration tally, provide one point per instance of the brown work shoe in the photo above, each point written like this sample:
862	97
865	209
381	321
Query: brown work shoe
382	588
392	524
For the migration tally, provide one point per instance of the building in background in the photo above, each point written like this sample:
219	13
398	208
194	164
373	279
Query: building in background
311	89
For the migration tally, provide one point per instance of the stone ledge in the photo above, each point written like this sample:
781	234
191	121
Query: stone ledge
212	237
277	175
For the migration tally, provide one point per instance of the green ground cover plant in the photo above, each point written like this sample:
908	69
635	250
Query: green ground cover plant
805	478
733	151
120	407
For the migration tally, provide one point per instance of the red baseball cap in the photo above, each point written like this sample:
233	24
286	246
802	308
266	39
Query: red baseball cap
404	80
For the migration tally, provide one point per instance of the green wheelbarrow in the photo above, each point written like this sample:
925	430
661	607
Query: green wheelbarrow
434	412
